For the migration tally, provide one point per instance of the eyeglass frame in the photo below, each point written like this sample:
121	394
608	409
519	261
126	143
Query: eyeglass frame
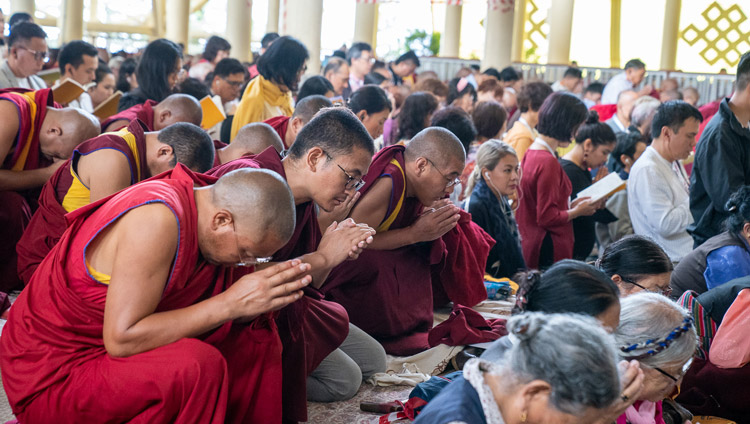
45	55
450	183
685	369
234	84
665	292
254	261
349	178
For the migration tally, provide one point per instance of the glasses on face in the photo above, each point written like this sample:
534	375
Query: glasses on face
251	261
43	56
685	369
657	290
351	182
450	182
234	84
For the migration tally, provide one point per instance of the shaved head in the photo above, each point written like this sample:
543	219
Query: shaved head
75	126
309	106
260	202
255	138
181	107
436	144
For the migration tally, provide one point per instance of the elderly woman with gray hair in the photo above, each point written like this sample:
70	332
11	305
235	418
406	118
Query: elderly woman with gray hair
560	369
660	335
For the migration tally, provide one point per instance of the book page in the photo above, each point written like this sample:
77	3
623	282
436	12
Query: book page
108	107
605	187
67	91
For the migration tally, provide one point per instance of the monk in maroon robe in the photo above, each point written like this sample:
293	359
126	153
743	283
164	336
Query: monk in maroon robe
157	116
103	166
388	290
289	126
133	315
35	138
250	140
312	328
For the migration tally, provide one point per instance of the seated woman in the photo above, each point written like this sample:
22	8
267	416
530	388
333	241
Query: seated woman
415	115
628	149
461	94
637	264
489	120
159	71
103	85
523	132
494	178
660	335
534	383
371	105
594	142
315	85
721	258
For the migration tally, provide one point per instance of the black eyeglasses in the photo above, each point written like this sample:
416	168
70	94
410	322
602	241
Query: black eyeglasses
234	84
450	182
351	182
685	369
665	292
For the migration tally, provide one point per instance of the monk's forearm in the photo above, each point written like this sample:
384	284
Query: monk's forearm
162	328
22	180
392	239
320	266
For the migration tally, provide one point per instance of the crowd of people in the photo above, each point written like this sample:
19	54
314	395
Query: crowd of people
172	271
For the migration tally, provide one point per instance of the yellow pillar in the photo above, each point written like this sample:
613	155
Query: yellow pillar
272	24
498	36
71	22
519	20
239	20
614	33
366	23
22	6
670	35
304	21
450	41
178	20
560	20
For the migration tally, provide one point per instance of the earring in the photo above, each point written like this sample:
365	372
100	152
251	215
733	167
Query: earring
523	416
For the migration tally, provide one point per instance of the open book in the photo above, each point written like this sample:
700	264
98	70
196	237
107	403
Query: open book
67	91
213	111
108	107
605	187
49	75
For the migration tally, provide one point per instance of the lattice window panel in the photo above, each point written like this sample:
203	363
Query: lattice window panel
536	30
724	36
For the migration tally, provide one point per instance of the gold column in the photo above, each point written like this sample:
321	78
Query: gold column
365	23
21	6
178	21
519	22
304	21
239	21
670	35
272	25
71	22
560	20
450	41
614	36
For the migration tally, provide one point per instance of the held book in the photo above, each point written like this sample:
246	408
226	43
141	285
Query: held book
108	107
67	91
605	187
213	112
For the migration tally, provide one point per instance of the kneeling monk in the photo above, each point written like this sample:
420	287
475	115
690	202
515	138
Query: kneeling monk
324	167
35	138
101	167
289	126
133	315
387	291
157	116
250	140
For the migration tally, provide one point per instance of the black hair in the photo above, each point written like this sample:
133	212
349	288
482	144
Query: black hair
635	64
338	53
492	72
102	71
474	67
457	121
374	78
314	85
370	98
192	146
19	18
634	257
214	45
25	31
127	68
336	130
454	93
72	53
414	112
626	145
229	66
408	56
355	51
743	73
566	287
738	207
306	108
595	87
283	61
532	95
159	59
573	73
509	74
268	39
599	132
194	87
673	114
560	115
489	118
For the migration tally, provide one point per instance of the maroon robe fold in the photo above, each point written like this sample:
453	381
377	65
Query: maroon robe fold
48	222
310	328
143	111
218	145
54	364
721	392
280	124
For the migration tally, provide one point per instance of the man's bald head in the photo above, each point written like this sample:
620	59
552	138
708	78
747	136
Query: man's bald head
626	97
177	108
436	144
64	129
261	204
309	106
255	138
